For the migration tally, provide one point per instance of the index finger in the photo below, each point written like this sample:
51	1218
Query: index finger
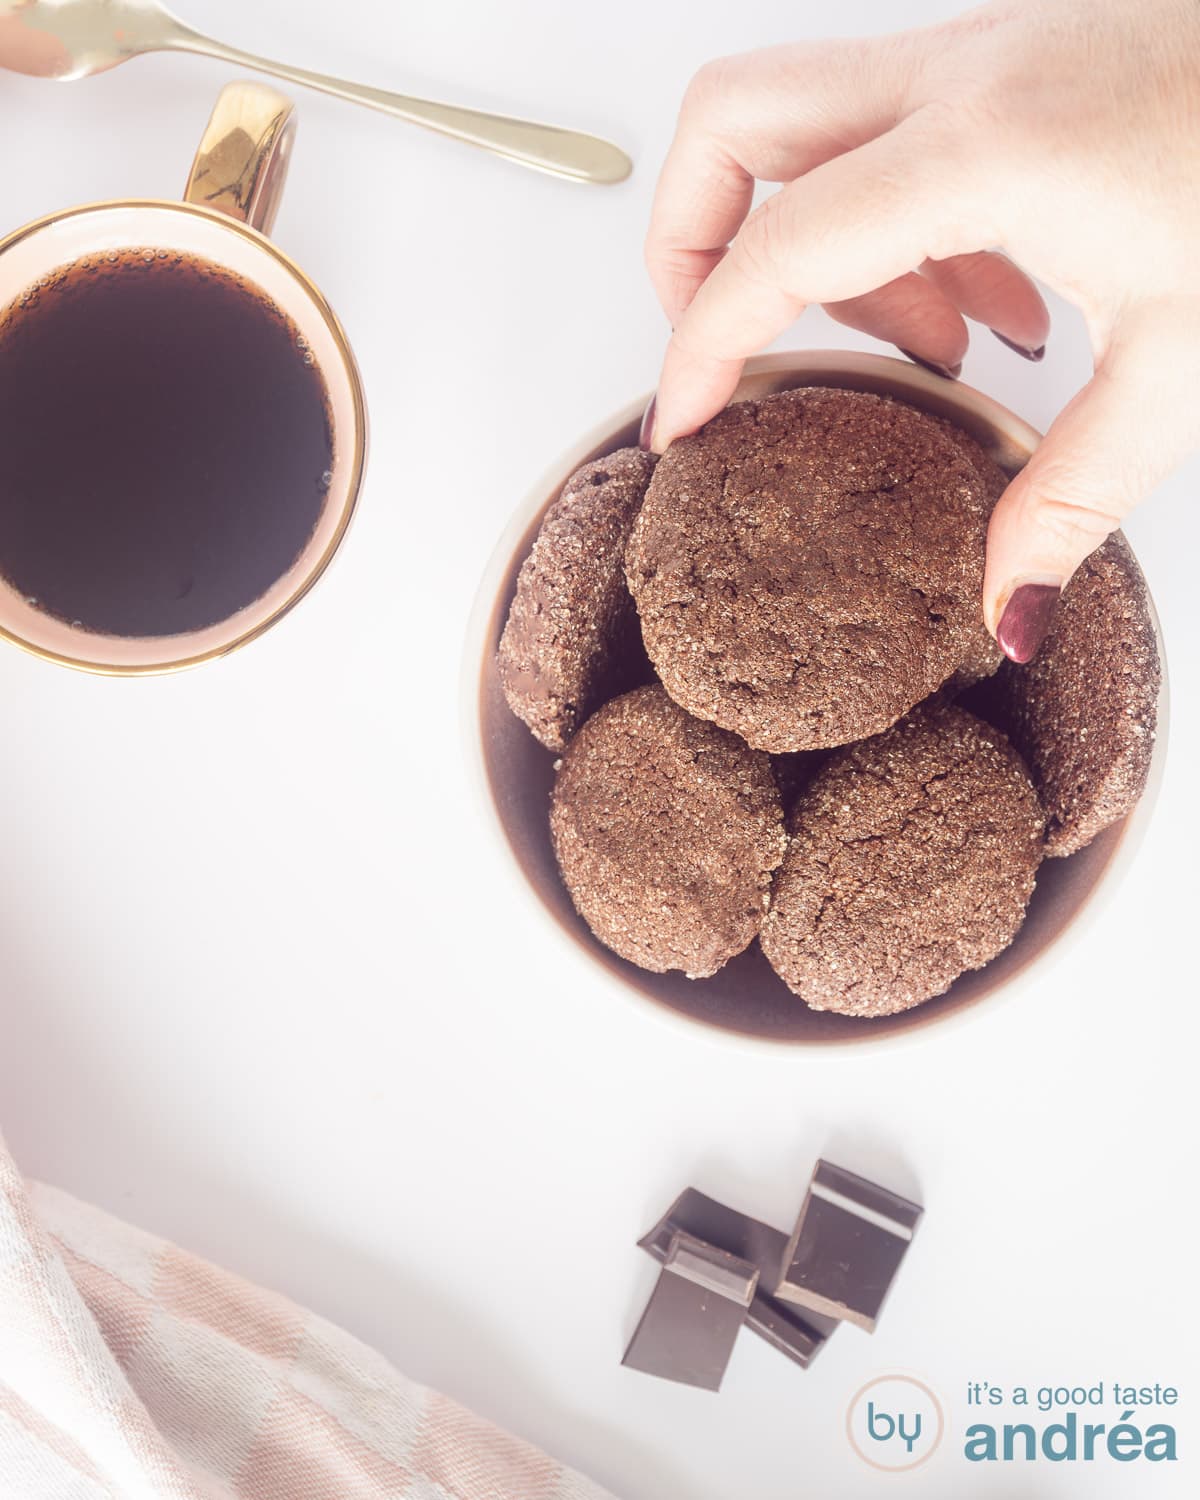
846	228
770	115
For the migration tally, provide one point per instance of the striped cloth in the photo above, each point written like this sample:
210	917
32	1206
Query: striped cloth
130	1370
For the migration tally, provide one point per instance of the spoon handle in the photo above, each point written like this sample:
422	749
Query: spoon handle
545	148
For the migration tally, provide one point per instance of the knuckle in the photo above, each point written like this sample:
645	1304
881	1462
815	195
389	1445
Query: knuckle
949	154
995	280
710	85
674	268
1072	522
907	302
959	132
763	246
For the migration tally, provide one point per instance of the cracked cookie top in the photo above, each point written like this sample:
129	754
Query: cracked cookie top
808	567
912	859
666	831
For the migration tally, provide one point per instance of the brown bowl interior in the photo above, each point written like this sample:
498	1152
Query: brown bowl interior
746	996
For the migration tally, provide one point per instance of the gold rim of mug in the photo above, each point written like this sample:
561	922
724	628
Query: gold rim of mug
358	460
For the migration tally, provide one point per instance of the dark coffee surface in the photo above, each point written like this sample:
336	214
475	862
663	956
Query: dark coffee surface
165	444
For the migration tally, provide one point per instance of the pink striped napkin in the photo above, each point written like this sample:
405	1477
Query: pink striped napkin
134	1371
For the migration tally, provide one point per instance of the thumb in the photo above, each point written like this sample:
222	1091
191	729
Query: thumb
1124	431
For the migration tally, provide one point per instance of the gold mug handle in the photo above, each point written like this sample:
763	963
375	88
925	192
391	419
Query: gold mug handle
241	164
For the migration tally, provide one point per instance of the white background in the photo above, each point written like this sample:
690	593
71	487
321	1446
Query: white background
269	990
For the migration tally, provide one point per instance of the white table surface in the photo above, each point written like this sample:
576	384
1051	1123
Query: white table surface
270	990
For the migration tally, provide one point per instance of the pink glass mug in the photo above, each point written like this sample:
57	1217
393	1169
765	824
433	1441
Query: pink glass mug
229	206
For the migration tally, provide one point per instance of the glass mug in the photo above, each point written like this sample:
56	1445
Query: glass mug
227	212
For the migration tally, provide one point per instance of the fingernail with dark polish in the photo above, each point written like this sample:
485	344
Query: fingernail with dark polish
1027	619
1022	349
646	431
947	372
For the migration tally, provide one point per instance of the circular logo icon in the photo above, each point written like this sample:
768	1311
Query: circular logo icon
895	1423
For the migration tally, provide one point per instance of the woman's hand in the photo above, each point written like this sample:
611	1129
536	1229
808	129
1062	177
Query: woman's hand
1065	133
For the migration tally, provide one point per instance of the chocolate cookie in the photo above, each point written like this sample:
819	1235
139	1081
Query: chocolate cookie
666	831
809	566
982	657
982	661
572	636
912	860
1083	712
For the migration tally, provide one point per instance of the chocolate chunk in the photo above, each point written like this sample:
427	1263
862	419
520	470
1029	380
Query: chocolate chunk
572	636
666	831
809	566
847	1246
1084	711
912	859
798	1333
691	1322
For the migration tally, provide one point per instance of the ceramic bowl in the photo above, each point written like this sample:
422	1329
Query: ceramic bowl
746	998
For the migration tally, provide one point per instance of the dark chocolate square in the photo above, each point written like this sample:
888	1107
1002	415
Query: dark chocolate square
691	1322
796	1332
847	1246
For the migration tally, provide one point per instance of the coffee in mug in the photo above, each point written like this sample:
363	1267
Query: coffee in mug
182	424
167	444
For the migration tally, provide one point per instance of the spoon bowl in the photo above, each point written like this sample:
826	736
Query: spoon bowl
76	38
